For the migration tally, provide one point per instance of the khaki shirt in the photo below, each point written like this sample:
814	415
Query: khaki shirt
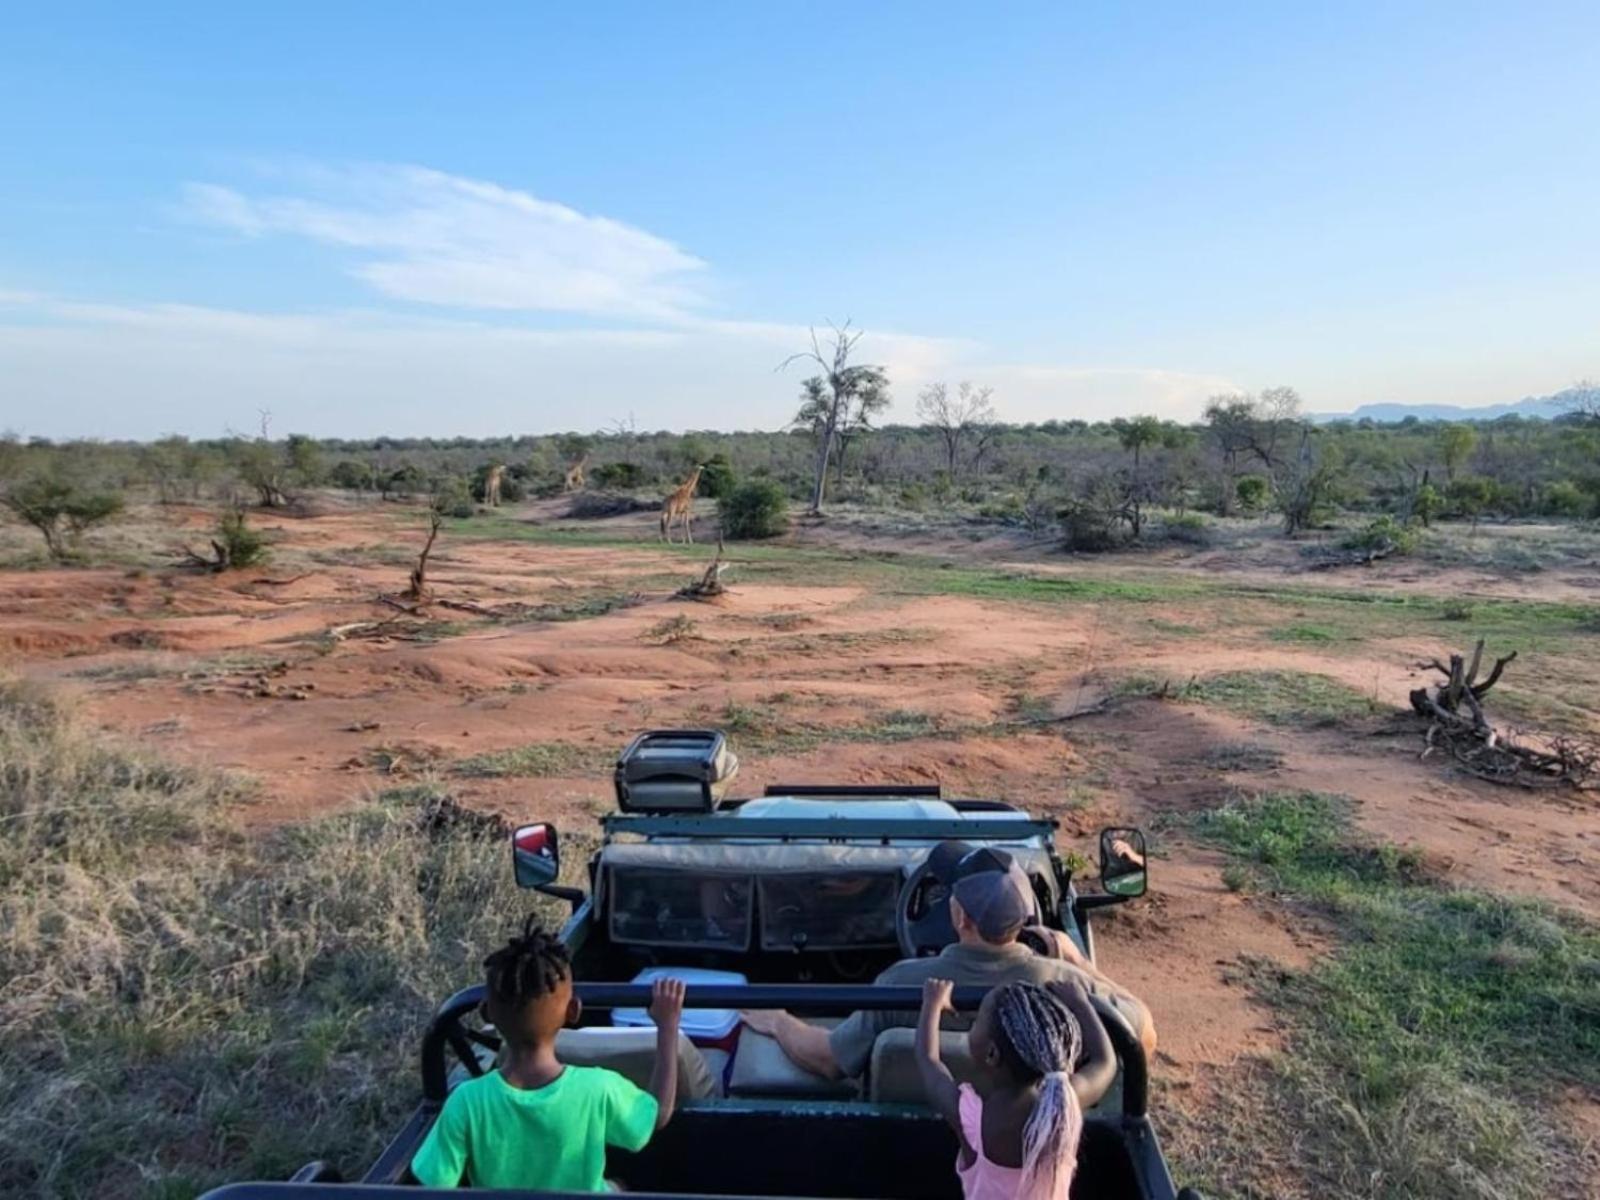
967	966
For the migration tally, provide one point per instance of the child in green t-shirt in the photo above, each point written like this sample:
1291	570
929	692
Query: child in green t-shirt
535	1124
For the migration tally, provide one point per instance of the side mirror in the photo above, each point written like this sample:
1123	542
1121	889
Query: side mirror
1122	862
535	855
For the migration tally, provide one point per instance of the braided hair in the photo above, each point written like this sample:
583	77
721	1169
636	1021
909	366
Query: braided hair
528	966
1039	1038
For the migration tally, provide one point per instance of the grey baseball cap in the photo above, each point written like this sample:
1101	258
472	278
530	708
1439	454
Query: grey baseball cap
994	892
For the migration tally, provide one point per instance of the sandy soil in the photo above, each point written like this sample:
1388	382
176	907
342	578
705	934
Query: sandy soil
242	670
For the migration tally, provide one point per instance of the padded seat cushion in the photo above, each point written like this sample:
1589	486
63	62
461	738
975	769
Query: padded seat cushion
893	1077
761	1068
632	1054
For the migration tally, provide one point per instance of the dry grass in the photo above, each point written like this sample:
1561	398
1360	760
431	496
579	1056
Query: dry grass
181	1003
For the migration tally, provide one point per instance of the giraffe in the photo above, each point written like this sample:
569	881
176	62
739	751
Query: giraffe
679	506
575	478
491	484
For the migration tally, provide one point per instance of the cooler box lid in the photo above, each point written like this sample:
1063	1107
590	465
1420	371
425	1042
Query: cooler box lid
708	1024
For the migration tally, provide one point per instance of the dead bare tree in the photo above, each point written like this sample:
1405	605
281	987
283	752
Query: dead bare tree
1459	725
419	573
830	397
710	582
968	415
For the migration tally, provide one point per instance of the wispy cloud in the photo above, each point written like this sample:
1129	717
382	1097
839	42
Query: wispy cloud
422	235
465	247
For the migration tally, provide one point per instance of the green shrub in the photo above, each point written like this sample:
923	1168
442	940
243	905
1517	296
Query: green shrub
353	475
1252	491
617	475
716	479
756	508
1087	528
1565	499
1383	536
1427	504
1190	528
241	546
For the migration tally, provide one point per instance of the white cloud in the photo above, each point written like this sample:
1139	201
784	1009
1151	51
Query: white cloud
121	370
425	236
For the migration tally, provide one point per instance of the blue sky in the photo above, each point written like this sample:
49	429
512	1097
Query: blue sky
476	219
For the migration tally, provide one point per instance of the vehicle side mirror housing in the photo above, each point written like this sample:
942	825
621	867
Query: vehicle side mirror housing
1123	869
536	855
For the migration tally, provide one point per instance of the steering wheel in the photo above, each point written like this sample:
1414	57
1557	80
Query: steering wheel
450	1036
922	914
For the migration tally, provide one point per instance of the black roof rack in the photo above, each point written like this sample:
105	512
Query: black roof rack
856	791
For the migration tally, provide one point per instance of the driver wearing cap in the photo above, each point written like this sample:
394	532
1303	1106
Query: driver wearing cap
991	902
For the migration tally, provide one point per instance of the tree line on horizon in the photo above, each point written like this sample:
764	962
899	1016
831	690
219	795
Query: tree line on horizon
1097	482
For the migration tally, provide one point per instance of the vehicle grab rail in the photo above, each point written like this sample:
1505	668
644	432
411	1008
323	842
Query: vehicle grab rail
806	999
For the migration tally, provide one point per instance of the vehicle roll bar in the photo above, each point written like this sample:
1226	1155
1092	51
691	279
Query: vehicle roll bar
813	999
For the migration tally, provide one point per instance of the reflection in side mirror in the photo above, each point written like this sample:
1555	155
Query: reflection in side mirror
535	855
1122	862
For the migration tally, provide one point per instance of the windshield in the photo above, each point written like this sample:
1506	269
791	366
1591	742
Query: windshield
835	911
811	910
678	908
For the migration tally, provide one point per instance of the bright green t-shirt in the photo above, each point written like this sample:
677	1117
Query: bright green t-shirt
552	1138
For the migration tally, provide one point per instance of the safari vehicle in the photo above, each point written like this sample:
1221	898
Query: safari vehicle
795	899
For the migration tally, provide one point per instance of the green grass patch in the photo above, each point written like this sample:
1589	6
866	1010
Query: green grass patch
1277	697
1531	711
536	760
1423	1048
1312	635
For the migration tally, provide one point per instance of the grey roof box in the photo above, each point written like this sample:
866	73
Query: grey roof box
675	770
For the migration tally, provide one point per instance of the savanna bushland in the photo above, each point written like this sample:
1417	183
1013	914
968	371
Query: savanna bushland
271	704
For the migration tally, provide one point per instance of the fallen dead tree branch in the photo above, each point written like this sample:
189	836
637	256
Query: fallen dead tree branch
218	561
1360	558
1459	726
710	582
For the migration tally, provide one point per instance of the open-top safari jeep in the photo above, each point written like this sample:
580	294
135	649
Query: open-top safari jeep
795	900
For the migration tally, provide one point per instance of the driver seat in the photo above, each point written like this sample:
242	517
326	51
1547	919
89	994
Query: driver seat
892	1075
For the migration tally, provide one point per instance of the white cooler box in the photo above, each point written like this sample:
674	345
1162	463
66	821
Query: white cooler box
708	1028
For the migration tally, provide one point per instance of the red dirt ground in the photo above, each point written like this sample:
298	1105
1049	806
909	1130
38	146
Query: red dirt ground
240	671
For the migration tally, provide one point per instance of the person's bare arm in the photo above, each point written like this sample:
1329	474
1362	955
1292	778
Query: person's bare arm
1098	1066
1071	954
806	1045
937	1082
666	1010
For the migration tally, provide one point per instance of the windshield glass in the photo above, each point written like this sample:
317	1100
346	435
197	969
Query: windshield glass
676	908
833	911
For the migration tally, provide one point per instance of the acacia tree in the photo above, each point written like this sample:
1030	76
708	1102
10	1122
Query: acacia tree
1229	420
60	510
1455	444
1135	434
840	387
969	414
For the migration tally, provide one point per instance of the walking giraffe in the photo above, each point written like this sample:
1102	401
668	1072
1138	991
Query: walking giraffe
491	485
679	506
575	480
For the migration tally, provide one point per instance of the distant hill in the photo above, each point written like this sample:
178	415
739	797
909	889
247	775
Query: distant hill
1532	406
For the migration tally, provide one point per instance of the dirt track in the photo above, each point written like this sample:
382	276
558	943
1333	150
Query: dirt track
241	671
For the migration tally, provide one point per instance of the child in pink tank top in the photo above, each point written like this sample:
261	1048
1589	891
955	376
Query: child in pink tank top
1043	1055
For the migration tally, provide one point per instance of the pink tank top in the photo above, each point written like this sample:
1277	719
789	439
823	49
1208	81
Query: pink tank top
982	1179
